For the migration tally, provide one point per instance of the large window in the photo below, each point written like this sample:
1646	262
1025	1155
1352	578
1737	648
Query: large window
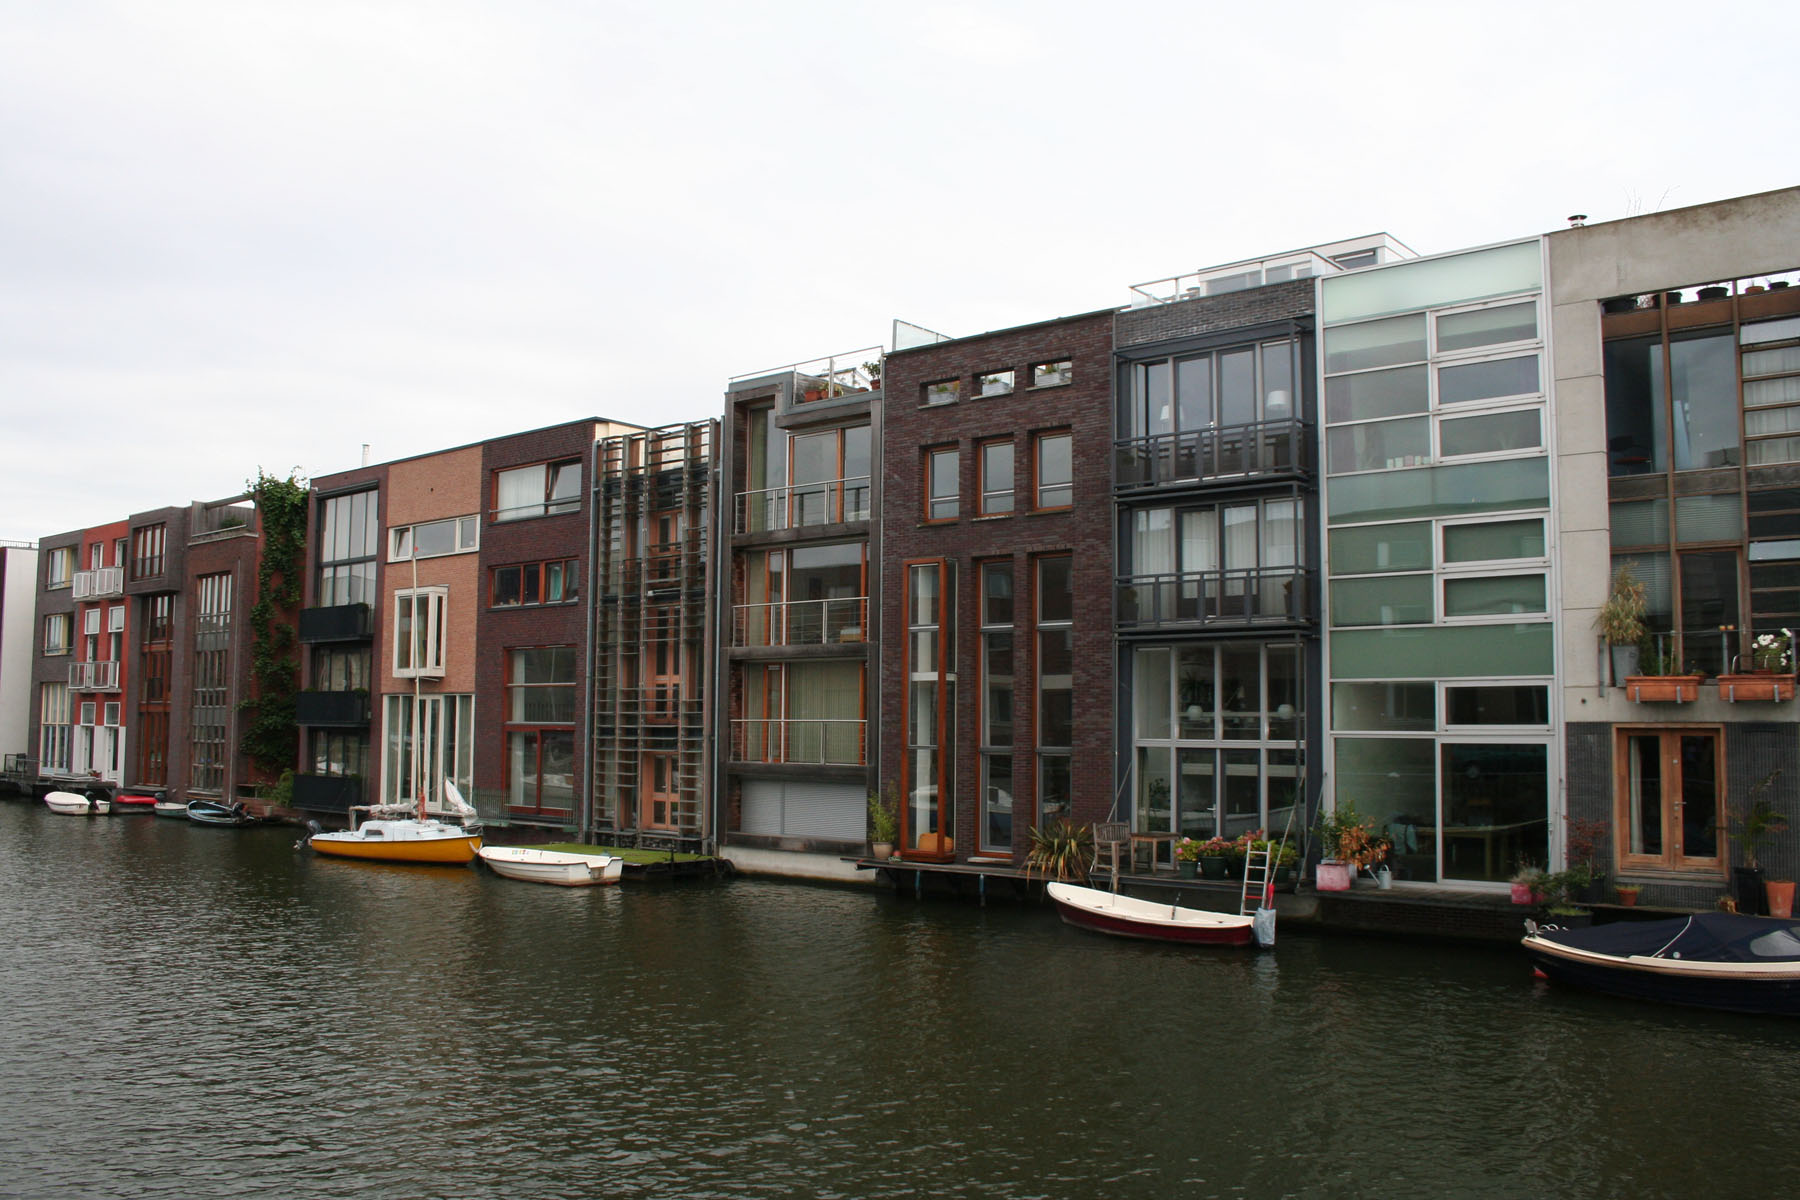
943	484
1055	691
996	478
1053	470
929	814
430	738
804	596
147	546
349	538
540	736
1217	729
541	489
1683	519
210	715
433	539
59	567
998	685
59	633
553	582
419	617
1215	563
53	727
803	712
155	656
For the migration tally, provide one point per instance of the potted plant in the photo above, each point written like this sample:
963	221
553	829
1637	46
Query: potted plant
1527	883
1061	851
884	820
873	371
1628	894
1187	857
1350	846
1754	826
1583	842
1771	675
1663	681
1621	621
1286	860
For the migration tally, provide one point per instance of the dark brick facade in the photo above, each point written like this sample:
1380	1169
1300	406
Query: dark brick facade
1215	314
1084	530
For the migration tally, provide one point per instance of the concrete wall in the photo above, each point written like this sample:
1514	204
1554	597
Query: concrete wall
18	629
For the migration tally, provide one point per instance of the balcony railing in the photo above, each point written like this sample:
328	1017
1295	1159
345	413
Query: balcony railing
100	582
819	741
1234	277
1235	451
801	622
798	505
331	708
1262	595
99	676
327	793
335	623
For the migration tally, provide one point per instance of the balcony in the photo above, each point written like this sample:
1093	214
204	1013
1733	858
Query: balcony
829	622
1260	596
799	505
1267	449
1234	277
94	676
99	583
829	378
336	623
820	741
327	793
350	709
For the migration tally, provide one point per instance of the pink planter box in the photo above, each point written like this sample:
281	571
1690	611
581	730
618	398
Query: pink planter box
1333	877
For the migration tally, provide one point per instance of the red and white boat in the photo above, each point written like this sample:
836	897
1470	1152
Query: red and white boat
1126	916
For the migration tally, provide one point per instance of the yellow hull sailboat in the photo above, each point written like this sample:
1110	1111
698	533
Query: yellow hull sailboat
413	839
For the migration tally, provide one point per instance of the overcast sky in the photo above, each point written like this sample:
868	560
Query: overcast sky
257	234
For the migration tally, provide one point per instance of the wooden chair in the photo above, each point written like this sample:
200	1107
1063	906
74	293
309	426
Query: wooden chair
1111	842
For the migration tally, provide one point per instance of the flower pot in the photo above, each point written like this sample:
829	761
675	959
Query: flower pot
1186	867
1628	897
1714	293
1212	867
1624	663
1747	889
1522	894
1594	892
881	850
1333	877
1760	685
1781	897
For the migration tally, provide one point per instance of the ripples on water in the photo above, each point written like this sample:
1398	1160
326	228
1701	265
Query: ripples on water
206	1012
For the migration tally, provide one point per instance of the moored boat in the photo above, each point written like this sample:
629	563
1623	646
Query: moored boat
1127	916
172	808
74	804
408	840
138	799
559	867
1707	960
219	812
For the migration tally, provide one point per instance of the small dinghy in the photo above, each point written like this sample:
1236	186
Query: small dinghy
73	804
1708	960
218	812
141	800
172	808
559	867
1125	916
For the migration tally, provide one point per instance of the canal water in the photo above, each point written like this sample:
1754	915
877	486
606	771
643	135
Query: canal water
204	1012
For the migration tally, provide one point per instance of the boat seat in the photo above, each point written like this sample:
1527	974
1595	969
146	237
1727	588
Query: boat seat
1111	838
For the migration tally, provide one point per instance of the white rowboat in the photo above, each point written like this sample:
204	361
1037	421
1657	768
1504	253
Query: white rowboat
73	804
558	867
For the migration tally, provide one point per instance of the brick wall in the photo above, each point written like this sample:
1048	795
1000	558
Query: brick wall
1084	407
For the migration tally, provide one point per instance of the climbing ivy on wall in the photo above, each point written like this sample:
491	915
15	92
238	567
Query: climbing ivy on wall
270	736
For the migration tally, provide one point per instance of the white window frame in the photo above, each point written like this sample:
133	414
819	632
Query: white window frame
401	538
65	557
90	622
409	604
67	623
115	619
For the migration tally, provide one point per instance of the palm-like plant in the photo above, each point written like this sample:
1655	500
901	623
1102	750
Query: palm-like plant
1063	851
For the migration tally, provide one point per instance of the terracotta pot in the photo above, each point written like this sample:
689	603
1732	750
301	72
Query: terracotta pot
881	850
1628	897
1663	689
1781	897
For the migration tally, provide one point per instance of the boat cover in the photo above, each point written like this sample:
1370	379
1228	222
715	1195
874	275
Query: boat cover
1703	937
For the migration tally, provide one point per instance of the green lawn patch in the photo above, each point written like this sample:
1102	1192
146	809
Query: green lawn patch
630	856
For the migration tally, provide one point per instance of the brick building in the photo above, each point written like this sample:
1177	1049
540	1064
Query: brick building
996	557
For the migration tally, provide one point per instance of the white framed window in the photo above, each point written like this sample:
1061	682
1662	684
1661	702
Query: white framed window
90	621
53	722
59	567
419	616
539	490
115	619
429	739
59	633
434	539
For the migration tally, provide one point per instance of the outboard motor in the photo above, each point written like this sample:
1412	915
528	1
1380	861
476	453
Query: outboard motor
311	826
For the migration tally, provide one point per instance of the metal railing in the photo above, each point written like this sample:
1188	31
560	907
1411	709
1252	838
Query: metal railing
99	582
1234	277
801	622
1272	595
820	741
799	505
1279	447
97	676
829	377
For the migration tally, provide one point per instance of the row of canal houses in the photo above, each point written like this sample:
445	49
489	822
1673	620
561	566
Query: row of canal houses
1330	525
